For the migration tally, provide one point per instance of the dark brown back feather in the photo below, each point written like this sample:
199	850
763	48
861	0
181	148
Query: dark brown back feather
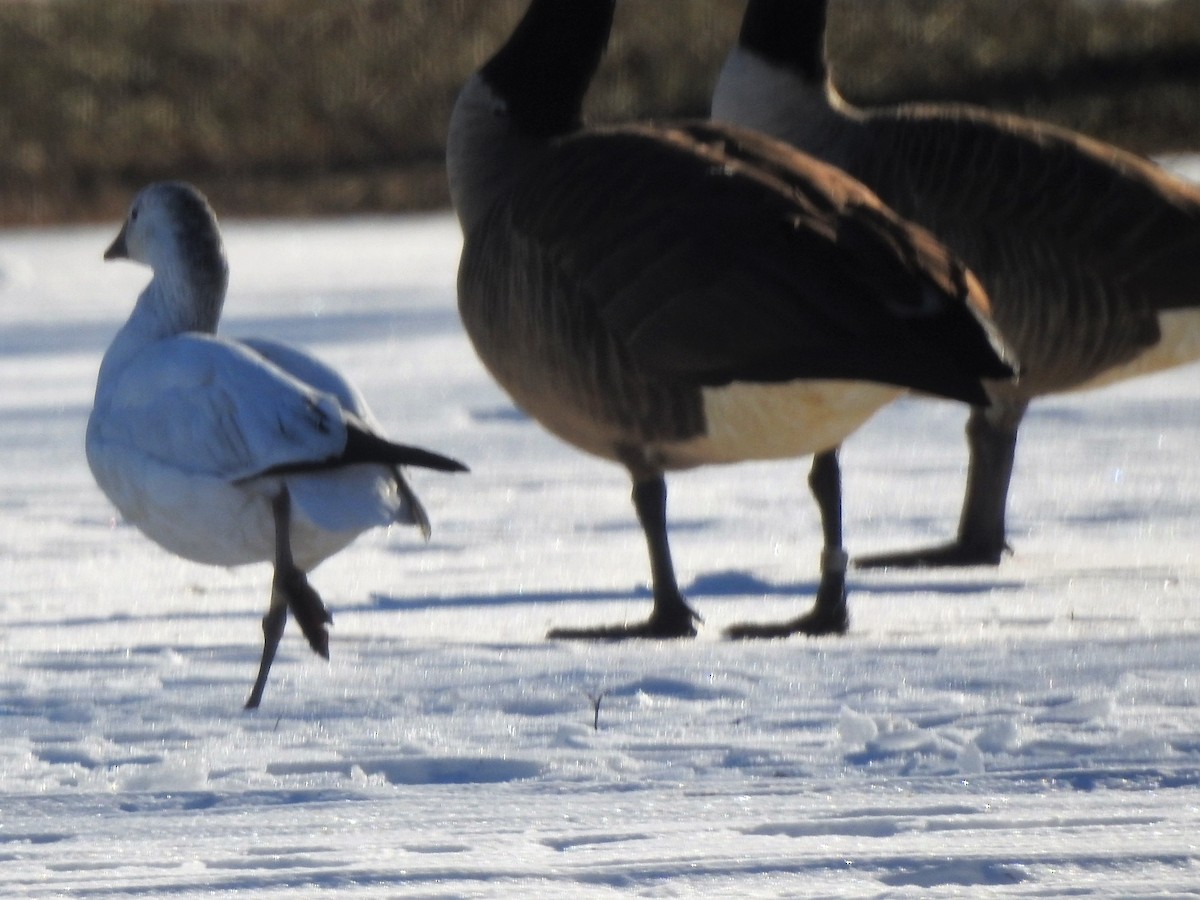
711	255
1080	244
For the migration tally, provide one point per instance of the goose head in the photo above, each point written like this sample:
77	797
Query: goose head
171	228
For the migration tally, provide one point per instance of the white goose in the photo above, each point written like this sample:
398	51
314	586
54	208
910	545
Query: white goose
1090	255
230	452
673	296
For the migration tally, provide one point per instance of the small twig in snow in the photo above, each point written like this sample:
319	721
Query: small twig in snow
596	699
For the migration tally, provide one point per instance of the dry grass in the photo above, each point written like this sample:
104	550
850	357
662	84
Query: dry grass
330	106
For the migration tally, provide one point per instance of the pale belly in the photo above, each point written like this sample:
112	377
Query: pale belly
777	421
1180	344
211	521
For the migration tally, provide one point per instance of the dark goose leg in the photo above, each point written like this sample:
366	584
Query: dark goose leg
289	590
981	541
830	614
671	616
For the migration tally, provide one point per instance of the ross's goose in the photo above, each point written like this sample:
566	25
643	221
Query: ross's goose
230	452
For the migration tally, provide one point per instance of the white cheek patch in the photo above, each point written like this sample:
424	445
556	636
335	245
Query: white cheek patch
777	421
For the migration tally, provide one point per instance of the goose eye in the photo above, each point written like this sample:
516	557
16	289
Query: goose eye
133	214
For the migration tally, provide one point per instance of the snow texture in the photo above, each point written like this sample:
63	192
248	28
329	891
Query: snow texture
1032	730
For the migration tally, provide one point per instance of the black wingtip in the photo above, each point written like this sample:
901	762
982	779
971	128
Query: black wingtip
363	446
427	459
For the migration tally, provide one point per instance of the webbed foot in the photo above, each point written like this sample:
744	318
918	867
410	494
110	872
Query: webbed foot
955	553
677	621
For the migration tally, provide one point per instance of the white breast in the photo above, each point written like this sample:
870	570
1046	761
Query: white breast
210	520
777	421
1180	344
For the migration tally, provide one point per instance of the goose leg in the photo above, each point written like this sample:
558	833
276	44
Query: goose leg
981	541
671	617
272	624
289	590
830	614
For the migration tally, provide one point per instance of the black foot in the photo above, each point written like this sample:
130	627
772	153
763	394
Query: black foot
676	623
941	556
820	620
307	609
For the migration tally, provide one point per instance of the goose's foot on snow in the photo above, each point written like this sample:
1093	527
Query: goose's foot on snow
830	613
820	620
677	621
955	553
290	590
307	608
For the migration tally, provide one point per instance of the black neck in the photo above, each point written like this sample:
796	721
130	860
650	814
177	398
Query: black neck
544	70
789	33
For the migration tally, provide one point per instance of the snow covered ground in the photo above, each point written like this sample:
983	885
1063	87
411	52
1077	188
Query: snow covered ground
1032	730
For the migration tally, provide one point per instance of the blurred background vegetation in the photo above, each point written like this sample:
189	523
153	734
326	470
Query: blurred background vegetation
313	107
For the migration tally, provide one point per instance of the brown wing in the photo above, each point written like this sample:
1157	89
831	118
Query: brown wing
712	255
1079	244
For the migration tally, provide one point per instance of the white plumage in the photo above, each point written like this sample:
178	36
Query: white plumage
182	433
230	452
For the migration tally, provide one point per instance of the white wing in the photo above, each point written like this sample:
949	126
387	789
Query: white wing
210	406
316	374
400	500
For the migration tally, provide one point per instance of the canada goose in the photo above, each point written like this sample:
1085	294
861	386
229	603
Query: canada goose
672	296
1090	255
230	452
